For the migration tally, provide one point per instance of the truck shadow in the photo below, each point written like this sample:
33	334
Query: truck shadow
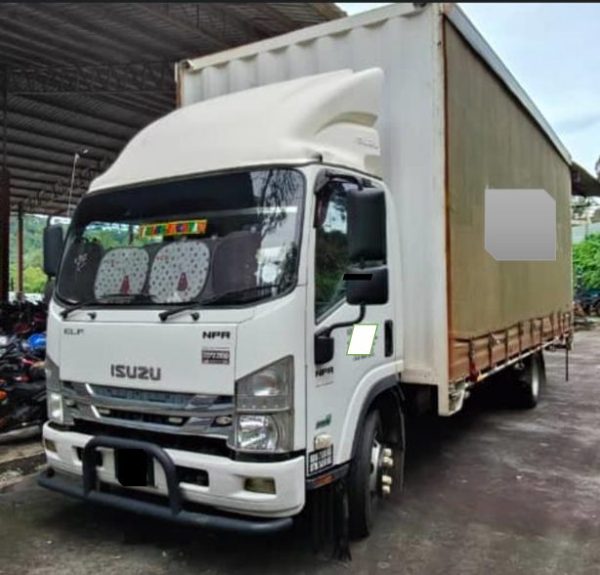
186	550
429	437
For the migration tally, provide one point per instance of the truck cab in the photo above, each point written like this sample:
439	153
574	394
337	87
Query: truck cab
206	298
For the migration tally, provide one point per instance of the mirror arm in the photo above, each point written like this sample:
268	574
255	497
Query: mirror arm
326	332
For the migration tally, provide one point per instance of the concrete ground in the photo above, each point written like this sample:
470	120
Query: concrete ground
492	490
19	452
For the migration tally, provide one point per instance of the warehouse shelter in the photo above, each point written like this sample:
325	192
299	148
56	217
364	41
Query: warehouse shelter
78	80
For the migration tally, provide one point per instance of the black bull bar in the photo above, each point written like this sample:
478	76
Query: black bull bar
174	512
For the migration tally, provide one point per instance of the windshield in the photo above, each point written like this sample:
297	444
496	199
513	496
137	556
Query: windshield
190	241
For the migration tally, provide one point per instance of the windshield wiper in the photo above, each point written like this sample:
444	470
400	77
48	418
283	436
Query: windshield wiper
163	315
103	300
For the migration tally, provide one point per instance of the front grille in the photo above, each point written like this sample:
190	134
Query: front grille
150	410
167	398
197	444
145	417
145	395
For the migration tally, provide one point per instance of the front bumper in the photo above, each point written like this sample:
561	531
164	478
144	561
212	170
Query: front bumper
225	490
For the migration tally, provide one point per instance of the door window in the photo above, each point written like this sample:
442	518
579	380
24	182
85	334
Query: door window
331	255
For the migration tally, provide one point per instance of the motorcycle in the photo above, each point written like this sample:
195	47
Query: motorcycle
22	318
22	387
22	409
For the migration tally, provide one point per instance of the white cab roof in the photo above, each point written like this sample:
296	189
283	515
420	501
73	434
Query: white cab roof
328	116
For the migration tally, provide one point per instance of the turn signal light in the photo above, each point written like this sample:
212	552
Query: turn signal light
3	395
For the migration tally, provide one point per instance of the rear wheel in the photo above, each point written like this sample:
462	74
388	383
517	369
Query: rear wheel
529	381
372	474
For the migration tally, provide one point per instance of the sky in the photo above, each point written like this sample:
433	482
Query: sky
553	50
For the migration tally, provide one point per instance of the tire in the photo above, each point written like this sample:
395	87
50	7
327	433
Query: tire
530	381
365	485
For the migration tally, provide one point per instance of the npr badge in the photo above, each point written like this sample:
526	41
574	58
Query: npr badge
215	356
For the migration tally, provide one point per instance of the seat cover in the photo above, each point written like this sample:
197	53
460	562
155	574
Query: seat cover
121	271
179	271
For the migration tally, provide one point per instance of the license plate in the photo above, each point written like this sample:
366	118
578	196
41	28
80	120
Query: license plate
134	468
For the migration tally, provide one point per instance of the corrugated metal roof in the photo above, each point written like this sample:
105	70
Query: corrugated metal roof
584	184
87	76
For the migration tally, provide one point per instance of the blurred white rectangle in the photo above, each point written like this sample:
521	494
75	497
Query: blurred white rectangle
361	341
520	225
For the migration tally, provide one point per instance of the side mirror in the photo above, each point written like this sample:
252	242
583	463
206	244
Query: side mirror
367	286
53	246
366	225
324	348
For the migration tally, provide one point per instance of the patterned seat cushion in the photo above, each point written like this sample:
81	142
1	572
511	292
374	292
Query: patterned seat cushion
179	271
121	271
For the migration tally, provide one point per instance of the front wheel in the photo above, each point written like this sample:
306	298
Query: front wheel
372	473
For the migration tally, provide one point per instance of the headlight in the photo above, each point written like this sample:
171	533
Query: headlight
55	407
256	432
269	389
264	418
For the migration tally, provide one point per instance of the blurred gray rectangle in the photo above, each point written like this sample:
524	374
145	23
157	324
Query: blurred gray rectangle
520	225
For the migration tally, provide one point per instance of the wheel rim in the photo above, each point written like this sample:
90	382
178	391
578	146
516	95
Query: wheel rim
376	456
535	380
380	478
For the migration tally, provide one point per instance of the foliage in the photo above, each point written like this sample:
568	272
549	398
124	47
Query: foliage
586	262
34	278
107	235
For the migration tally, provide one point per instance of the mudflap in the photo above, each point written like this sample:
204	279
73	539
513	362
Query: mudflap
328	520
341	547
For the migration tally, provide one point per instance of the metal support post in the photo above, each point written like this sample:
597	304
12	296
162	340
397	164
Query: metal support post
4	194
20	250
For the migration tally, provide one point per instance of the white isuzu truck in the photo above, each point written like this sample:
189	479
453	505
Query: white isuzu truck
213	278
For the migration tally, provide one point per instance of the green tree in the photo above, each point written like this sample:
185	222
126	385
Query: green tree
34	280
586	262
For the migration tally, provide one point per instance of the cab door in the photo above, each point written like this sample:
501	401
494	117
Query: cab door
331	385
